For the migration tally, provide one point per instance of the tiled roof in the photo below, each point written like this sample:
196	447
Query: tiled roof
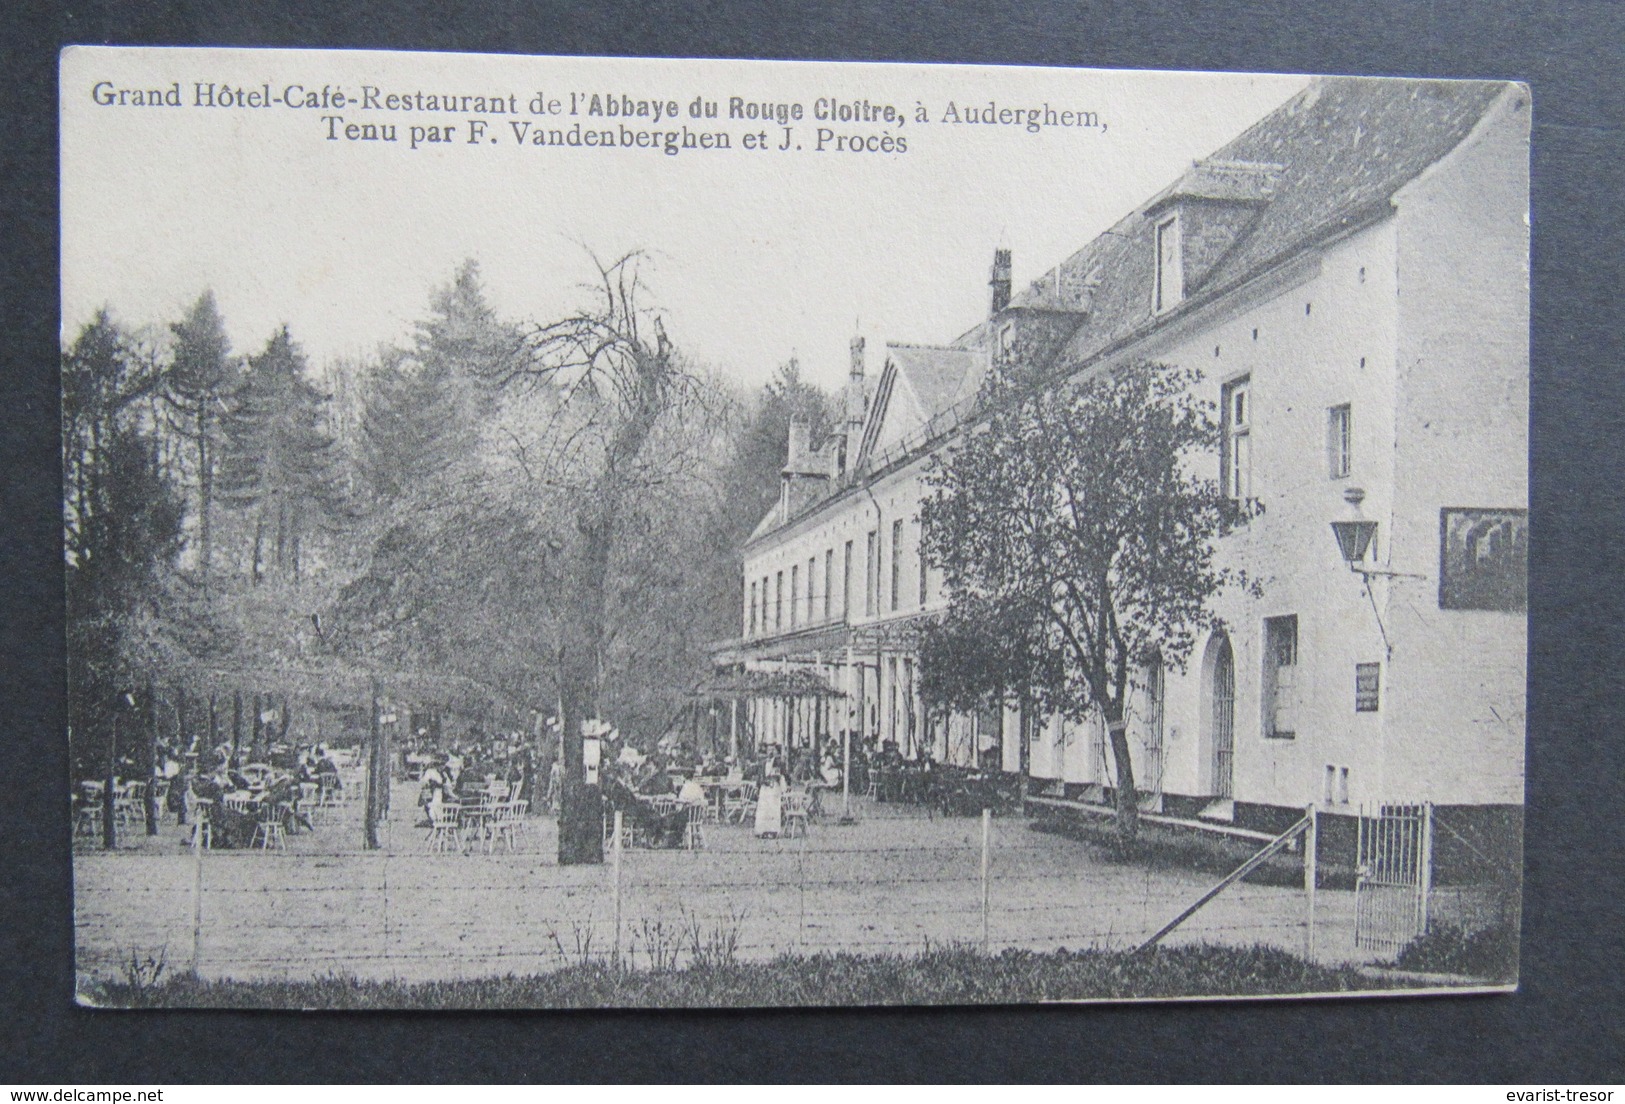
941	376
1314	165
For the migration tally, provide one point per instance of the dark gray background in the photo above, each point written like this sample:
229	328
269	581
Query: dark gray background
1564	1026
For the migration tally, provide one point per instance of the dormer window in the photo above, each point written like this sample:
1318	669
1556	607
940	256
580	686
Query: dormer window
1170	277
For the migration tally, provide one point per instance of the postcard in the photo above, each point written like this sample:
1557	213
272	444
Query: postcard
592	532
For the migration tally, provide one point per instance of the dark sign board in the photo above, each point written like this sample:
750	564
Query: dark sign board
1483	559
1367	687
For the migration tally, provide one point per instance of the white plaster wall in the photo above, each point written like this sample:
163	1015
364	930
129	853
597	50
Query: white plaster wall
1419	322
1457	729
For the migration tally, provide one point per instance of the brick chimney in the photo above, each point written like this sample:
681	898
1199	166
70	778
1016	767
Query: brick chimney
999	281
856	402
855	399
799	445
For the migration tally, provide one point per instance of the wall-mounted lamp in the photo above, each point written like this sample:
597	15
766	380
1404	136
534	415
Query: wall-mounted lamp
1354	538
1354	535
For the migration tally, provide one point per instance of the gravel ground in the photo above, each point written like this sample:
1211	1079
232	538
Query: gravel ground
892	882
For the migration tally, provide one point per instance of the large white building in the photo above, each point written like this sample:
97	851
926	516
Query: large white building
1350	277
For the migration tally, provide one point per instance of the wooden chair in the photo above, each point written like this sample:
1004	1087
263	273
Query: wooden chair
445	827
129	803
310	802
329	798
740	804
270	830
199	818
509	823
160	795
695	837
793	812
87	821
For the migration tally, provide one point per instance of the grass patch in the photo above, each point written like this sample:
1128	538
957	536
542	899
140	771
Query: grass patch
953	975
1491	954
1168	847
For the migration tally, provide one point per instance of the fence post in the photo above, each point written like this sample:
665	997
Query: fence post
1425	874
383	897
987	832
617	857
197	897
801	890
1311	872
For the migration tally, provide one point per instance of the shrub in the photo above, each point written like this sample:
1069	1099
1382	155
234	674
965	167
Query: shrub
1491	953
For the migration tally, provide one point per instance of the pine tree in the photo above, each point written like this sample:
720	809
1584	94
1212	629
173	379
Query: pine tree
199	382
122	530
427	403
280	467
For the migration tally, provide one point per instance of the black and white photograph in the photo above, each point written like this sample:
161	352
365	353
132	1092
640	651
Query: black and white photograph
565	532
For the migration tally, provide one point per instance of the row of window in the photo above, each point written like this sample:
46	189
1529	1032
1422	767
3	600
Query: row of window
773	608
1236	461
768	610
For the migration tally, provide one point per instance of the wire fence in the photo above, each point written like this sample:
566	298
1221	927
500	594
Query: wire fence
890	884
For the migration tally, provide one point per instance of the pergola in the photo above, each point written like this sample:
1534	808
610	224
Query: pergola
802	693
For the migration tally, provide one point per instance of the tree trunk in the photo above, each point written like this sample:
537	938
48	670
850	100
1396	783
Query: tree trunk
259	548
109	789
280	540
150	721
205	495
236	726
375	777
1128	797
1027	719
581	807
182	745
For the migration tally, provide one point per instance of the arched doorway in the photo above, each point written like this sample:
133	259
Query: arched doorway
1219	714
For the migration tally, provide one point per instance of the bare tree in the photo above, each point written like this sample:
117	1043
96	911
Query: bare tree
616	379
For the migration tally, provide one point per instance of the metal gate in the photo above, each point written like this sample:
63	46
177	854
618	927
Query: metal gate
1394	876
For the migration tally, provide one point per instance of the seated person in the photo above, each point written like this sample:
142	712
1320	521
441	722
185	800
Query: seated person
230	828
651	781
433	791
283	798
831	770
327	773
691	793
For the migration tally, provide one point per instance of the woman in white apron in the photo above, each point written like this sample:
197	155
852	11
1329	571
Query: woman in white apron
770	808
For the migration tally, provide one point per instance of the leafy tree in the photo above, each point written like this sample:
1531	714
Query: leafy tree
983	653
1073	513
280	467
